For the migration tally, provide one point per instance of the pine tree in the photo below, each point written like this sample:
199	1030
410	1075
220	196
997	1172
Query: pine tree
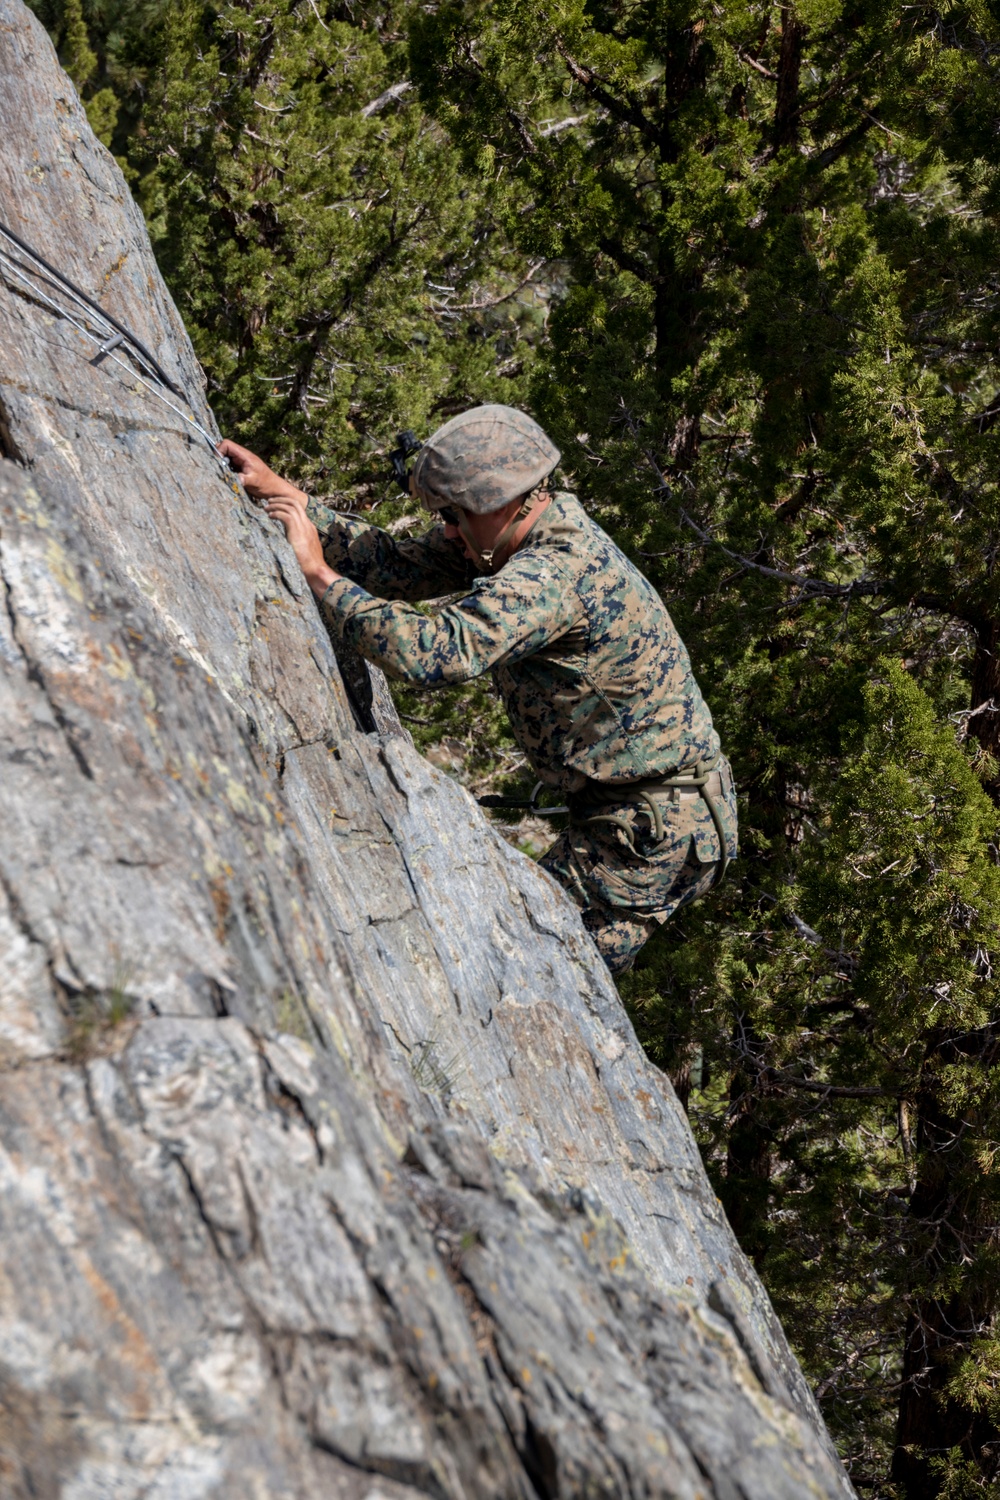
80	61
108	48
340	279
772	370
77	56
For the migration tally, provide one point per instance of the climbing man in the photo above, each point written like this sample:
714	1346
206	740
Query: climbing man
595	679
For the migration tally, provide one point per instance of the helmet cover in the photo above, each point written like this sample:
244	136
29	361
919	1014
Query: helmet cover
482	459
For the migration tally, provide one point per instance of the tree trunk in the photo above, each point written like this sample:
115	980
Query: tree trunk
929	1424
329	1163
749	1165
984	698
786	108
948	1218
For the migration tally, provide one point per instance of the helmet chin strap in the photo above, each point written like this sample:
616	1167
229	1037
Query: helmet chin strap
493	558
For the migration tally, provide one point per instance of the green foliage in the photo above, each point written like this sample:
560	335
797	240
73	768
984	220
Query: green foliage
81	63
96	1015
772	368
109	48
339	279
102	114
741	260
78	57
904	875
960	1478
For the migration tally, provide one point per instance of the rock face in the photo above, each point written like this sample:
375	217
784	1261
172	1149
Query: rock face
329	1162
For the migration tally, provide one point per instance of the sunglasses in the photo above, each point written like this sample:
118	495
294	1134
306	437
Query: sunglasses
450	515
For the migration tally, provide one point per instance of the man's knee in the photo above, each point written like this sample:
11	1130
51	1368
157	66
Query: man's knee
618	934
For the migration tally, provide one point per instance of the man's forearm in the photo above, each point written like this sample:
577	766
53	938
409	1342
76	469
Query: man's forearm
319	579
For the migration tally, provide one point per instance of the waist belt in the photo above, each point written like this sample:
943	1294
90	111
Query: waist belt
699	779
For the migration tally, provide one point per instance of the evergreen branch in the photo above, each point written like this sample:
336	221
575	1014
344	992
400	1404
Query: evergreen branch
815	588
396	91
836	88
790	508
626	110
495	301
812	588
257	65
324	324
546	130
523	133
764	1075
758	67
625	260
983	420
827	157
889	134
828	1090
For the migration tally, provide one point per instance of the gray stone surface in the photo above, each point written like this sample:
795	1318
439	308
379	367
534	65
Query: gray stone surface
329	1163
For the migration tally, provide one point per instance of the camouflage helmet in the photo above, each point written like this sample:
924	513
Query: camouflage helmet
483	459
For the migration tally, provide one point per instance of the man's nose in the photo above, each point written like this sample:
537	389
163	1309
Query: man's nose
452	533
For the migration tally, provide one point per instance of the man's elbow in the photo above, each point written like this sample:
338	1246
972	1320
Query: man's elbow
426	672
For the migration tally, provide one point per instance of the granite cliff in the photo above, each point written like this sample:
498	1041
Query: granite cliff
329	1163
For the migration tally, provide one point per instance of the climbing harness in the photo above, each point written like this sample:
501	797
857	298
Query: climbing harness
700	778
109	338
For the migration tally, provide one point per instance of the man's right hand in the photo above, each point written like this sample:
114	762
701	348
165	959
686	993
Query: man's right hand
260	482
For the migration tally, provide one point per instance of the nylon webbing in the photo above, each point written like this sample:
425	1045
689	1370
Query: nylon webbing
694	777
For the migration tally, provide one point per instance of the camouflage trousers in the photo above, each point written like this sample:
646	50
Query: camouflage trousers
625	895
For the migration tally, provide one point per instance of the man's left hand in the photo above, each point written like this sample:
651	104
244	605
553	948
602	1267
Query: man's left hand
305	541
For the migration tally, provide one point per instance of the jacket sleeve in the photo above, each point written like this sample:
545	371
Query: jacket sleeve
504	618
423	567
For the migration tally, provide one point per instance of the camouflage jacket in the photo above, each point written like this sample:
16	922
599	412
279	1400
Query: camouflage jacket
595	679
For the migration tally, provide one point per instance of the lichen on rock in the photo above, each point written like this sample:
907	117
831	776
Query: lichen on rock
329	1162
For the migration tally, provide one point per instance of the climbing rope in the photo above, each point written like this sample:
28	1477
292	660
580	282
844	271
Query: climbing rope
109	338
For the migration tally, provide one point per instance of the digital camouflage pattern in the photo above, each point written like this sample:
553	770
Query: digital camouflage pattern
595	679
410	568
596	682
626	896
482	459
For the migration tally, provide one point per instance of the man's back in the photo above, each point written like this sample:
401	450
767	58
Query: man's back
595	679
610	696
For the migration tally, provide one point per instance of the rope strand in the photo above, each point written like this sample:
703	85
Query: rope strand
81	296
105	340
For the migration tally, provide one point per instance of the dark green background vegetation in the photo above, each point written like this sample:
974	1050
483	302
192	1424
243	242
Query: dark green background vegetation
741	259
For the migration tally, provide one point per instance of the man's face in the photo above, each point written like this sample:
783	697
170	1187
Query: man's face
454	535
483	530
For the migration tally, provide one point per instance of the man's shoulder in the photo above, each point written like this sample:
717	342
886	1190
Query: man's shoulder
562	537
586	551
534	572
